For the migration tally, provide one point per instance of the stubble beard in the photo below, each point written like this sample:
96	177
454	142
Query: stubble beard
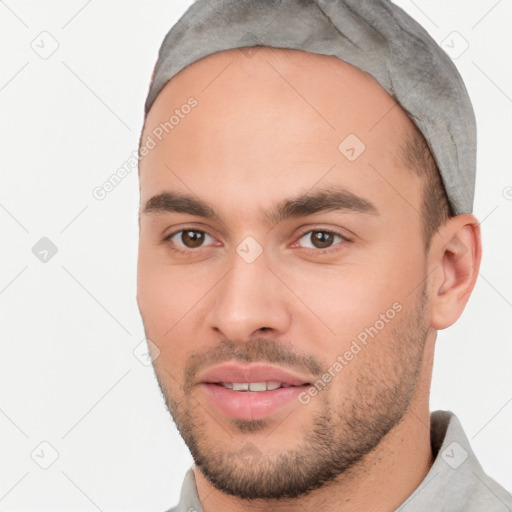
339	436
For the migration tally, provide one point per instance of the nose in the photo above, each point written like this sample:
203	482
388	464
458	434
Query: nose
250	299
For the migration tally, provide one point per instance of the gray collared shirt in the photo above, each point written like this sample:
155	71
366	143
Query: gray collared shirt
455	482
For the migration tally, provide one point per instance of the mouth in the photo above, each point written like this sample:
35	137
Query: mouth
251	391
254	386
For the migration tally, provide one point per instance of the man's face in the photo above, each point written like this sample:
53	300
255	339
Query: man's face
323	297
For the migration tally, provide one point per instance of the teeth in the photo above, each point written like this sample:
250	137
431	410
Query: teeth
240	386
258	386
253	386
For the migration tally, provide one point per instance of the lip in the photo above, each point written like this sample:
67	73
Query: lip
235	372
250	405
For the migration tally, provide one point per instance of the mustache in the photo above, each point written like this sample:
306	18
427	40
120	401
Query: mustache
257	350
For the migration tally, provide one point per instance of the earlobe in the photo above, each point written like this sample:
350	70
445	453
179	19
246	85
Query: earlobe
456	251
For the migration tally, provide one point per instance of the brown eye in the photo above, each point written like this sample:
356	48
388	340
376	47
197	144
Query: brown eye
320	239
192	239
187	239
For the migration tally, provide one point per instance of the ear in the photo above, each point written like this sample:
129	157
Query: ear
454	256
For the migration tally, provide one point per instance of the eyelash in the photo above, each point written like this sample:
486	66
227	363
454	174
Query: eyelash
328	250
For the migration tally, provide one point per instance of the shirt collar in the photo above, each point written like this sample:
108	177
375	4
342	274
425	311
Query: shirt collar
456	477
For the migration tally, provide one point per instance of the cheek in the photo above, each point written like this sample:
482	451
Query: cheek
163	305
173	301
162	295
343	301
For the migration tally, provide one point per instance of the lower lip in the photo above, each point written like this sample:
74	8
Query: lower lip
250	405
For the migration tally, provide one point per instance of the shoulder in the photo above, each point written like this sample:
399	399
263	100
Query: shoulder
488	495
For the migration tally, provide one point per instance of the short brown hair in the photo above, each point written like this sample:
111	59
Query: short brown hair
435	208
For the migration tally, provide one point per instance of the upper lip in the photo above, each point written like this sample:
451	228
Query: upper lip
235	372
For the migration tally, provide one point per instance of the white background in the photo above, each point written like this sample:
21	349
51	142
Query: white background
68	375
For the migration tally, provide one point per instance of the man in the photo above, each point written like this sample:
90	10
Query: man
307	178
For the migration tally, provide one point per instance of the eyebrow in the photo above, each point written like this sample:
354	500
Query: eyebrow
327	199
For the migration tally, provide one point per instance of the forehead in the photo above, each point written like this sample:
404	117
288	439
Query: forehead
272	121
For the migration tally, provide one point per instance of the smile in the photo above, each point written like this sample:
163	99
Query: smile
254	386
250	391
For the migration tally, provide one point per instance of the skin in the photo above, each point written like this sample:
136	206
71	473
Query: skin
267	128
